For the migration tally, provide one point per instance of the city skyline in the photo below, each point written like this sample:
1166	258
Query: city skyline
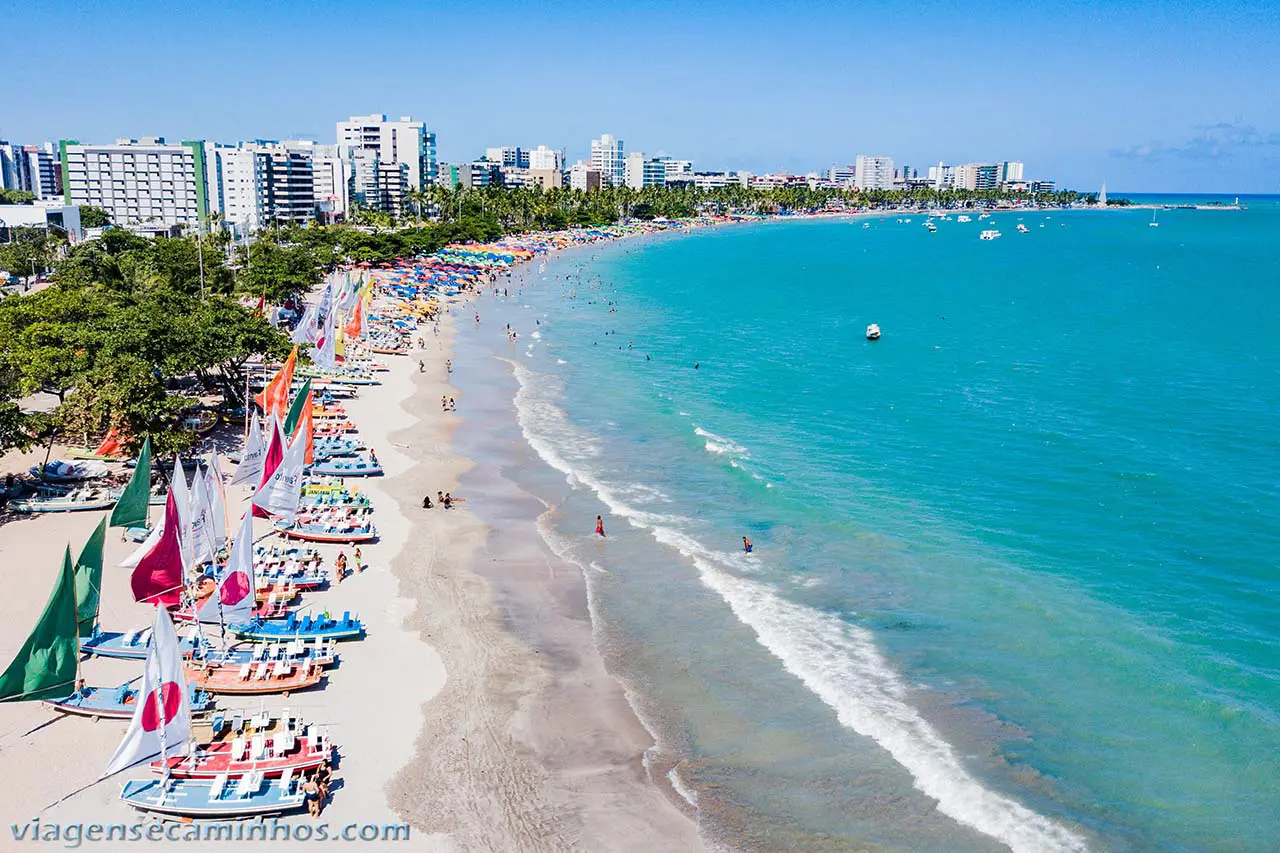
1139	96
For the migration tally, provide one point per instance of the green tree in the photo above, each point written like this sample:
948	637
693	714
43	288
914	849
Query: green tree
93	217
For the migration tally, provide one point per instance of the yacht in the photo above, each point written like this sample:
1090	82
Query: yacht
1022	229
963	218
932	228
873	332
989	234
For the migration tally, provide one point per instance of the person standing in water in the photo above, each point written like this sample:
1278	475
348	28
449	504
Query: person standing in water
600	527
746	545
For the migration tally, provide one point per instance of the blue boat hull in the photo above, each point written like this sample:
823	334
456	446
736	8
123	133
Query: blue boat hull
190	798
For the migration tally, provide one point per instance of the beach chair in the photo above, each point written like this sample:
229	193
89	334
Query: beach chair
258	748
346	617
249	785
237	748
132	638
219	785
263	669
259	652
286	782
282	669
244	671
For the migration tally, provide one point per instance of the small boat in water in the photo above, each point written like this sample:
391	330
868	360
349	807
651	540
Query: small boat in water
873	332
1153	223
220	797
989	234
1022	229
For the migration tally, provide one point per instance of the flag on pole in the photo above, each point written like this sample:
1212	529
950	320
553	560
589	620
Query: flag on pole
161	724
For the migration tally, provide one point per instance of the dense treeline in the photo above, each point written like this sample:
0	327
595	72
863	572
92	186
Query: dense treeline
119	335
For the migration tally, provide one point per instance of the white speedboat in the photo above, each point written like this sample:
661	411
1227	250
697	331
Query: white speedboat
963	218
989	234
873	332
1022	229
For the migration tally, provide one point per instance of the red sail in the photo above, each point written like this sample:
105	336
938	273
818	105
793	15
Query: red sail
275	453
158	576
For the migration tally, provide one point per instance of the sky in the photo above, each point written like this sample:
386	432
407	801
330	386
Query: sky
1170	96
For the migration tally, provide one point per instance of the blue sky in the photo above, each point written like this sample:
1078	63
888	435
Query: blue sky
1169	96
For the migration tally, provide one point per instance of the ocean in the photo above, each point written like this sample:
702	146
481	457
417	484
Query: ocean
1014	578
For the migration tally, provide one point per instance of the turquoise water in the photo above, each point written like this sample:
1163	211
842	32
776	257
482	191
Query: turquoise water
1015	574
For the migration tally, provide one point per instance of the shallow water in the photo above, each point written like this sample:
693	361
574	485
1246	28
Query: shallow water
1014	580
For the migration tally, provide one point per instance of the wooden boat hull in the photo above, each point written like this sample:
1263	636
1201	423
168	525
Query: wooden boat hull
323	470
279	630
349	537
28	506
226	679
104	703
190	798
214	759
114	644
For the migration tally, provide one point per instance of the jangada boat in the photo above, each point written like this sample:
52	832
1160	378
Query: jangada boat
294	652
117	703
347	467
873	332
130	645
308	628
279	676
270	755
78	500
348	533
220	797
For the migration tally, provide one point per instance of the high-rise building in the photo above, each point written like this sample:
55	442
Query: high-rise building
608	158
544	158
328	177
977	176
31	168
1010	171
404	141
138	181
633	171
873	173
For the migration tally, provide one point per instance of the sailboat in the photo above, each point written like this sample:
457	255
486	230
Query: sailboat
1153	223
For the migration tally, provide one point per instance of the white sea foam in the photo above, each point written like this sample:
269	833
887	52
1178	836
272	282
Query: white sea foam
536	335
837	661
720	445
561	361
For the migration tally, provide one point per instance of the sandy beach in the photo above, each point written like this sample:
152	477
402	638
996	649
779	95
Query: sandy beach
445	716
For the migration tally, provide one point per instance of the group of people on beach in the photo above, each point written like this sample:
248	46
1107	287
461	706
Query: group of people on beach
315	788
447	404
445	500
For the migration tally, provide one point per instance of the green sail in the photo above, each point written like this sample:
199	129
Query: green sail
131	509
89	580
295	411
45	666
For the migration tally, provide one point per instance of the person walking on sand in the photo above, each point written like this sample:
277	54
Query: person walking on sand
746	545
600	527
360	559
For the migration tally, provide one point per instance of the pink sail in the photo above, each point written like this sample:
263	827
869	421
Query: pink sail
158	576
275	453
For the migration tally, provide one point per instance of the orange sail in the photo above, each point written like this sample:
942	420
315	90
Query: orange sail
307	422
110	445
274	399
357	320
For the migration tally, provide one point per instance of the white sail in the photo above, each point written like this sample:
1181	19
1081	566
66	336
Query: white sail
326	355
161	724
217	500
281	492
182	497
232	603
204	544
255	451
145	548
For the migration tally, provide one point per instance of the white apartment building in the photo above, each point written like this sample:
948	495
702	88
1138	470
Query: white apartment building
608	158
977	176
328	176
508	157
633	171
713	180
1010	171
584	176
543	158
675	171
138	181
873	173
844	176
942	176
236	178
403	141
